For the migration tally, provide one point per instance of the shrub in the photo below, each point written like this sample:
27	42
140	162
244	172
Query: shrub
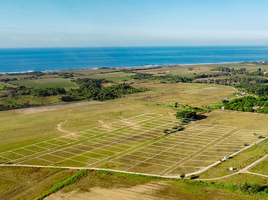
60	185
182	176
244	187
256	187
165	131
194	177
186	114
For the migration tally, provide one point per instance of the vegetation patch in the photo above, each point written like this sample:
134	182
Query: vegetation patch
60	185
94	89
248	104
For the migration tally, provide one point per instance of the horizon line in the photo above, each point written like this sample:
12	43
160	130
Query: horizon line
133	46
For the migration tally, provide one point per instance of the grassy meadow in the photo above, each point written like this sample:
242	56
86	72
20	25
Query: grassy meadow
47	83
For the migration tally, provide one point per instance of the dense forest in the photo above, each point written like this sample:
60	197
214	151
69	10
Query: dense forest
248	104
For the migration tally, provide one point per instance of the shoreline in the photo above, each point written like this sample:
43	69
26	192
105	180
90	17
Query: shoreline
133	67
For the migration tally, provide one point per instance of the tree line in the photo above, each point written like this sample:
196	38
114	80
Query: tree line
247	104
243	71
253	85
168	77
90	89
95	89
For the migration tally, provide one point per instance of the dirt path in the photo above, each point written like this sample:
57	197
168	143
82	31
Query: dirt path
254	163
59	128
244	170
56	107
218	162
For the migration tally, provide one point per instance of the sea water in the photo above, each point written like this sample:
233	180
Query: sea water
52	59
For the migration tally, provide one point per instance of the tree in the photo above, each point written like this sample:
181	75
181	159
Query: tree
186	114
176	105
244	188
182	176
165	131
256	187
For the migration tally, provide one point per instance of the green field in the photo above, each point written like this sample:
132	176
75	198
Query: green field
47	83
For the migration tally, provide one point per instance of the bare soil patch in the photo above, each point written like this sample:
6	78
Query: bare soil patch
145	192
56	107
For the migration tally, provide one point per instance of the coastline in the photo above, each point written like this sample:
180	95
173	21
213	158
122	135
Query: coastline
133	67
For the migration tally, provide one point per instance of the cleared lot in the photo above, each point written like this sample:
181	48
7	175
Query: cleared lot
137	144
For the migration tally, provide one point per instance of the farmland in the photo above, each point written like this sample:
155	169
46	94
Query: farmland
126	134
137	145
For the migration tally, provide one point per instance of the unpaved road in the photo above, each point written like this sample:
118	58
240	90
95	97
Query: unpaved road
56	107
244	170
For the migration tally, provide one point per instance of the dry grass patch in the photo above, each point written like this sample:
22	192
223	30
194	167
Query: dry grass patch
27	183
261	167
240	179
239	161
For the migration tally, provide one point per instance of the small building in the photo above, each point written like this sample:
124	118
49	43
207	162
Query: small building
231	169
226	157
222	108
243	94
257	107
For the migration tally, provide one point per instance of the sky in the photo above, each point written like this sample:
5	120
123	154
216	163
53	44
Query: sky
109	23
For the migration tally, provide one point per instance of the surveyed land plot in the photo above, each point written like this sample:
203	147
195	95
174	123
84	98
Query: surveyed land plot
99	141
233	143
138	145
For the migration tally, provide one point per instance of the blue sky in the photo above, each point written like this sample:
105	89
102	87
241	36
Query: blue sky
94	23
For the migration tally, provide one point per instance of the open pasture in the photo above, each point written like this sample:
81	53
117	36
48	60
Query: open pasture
183	93
138	145
47	83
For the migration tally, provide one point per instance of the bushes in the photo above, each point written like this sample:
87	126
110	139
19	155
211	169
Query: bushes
186	114
168	77
94	89
256	187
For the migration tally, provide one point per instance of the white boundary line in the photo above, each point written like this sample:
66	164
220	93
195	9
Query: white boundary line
170	148
194	152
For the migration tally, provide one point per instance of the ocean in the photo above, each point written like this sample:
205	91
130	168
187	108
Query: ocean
52	59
